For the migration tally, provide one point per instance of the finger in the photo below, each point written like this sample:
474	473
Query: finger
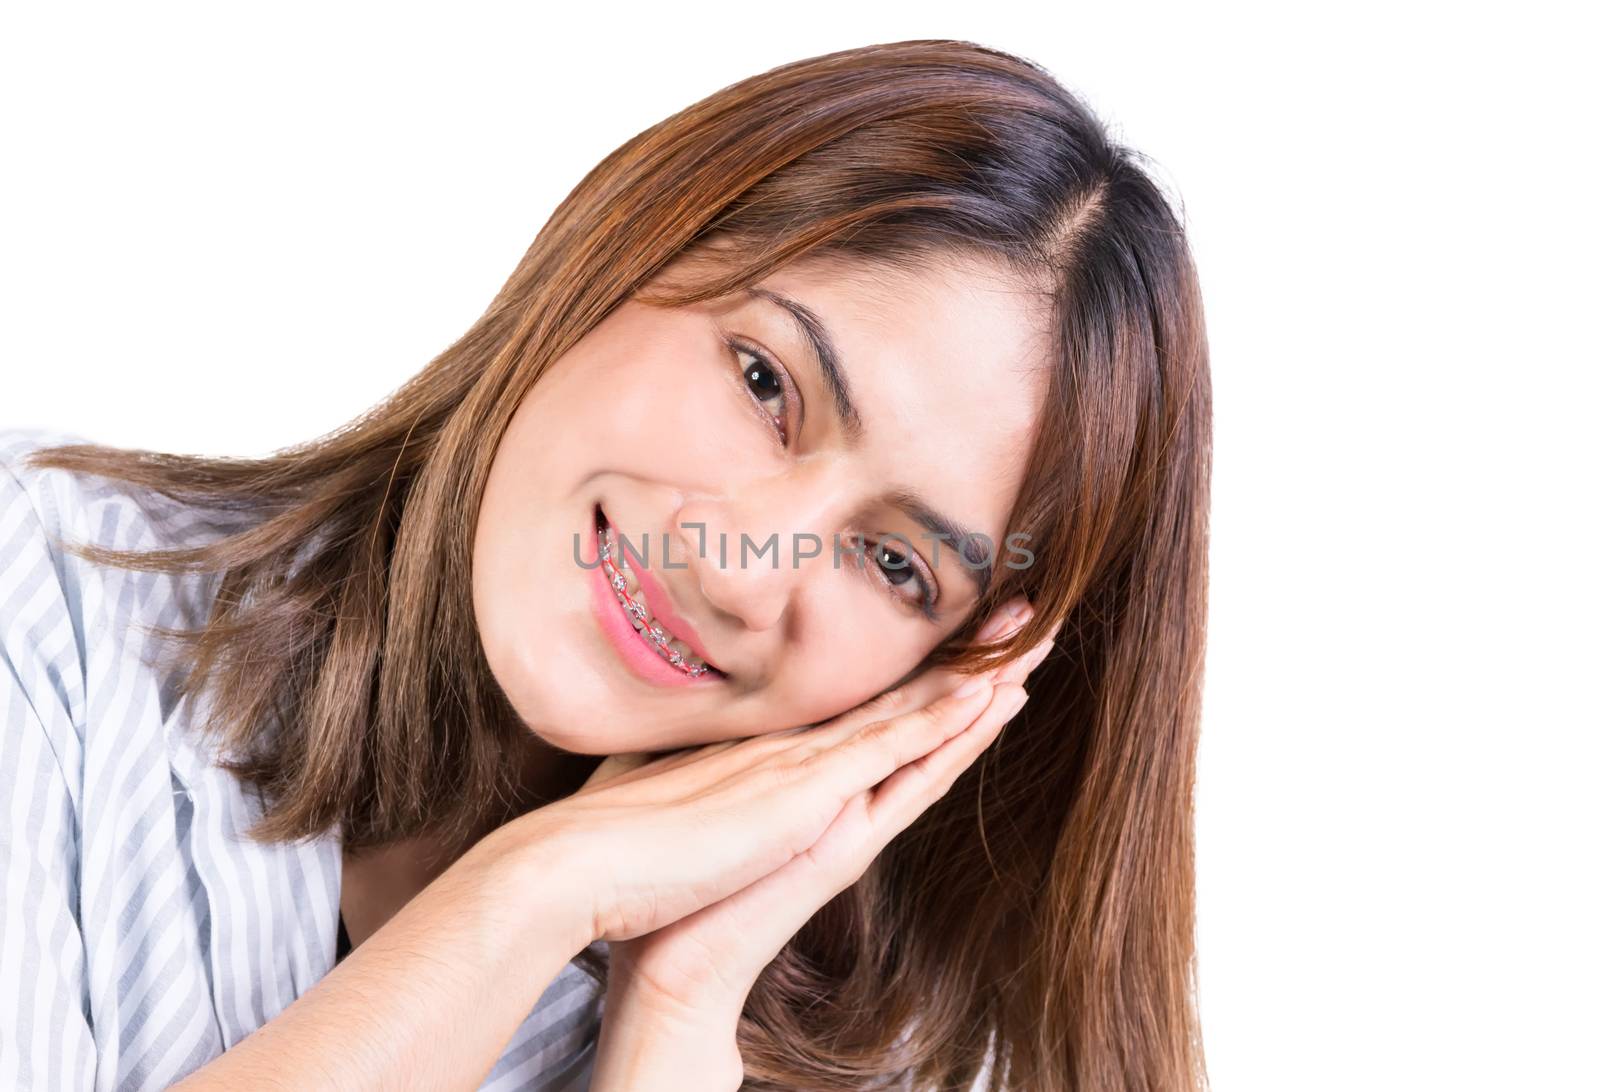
674	775
655	765
935	684
729	760
910	790
917	693
766	914
1019	669
613	766
1007	620
879	749
810	739
926	687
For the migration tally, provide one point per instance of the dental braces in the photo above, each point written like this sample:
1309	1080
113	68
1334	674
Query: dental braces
658	636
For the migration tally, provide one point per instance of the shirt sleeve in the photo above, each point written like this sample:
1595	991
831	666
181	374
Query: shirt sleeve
46	1033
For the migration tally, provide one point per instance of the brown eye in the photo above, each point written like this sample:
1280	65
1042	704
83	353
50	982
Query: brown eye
762	379
766	383
898	570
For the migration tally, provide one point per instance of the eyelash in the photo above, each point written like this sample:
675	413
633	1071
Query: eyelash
736	348
925	603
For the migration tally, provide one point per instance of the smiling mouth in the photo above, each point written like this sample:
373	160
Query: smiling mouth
636	607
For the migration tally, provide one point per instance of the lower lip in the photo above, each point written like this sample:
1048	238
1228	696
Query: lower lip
640	658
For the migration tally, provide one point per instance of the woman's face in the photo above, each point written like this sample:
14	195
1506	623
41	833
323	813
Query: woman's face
671	422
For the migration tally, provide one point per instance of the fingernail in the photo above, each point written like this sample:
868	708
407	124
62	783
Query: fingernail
973	685
1004	623
1016	702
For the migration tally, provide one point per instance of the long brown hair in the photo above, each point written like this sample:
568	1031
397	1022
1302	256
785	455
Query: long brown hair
1042	911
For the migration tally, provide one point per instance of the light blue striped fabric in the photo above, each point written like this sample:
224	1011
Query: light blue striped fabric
140	935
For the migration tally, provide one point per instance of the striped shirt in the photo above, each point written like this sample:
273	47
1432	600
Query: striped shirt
140	935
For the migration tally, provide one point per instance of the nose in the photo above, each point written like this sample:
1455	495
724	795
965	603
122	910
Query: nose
762	543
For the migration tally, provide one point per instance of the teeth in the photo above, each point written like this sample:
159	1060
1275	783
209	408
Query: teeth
672	648
624	563
625	583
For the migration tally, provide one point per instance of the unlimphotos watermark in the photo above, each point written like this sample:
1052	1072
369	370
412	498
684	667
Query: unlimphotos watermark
974	551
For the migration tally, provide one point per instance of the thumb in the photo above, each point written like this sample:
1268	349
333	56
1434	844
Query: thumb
614	766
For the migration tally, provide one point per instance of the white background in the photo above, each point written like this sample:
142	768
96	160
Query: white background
227	228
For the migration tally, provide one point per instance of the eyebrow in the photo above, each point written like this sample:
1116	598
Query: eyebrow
912	504
908	500
821	342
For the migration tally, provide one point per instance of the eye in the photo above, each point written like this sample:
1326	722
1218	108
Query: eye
767	384
898	571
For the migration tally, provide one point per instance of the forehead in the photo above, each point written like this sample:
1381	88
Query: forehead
947	363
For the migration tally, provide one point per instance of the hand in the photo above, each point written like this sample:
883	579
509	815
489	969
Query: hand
679	833
692	976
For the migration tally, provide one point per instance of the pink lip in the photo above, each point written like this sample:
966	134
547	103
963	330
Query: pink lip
661	609
639	657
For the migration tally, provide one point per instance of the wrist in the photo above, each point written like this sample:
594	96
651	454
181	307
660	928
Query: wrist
544	896
642	1050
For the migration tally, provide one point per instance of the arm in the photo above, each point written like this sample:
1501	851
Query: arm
431	999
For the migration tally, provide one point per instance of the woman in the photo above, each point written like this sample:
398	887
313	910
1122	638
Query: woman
677	499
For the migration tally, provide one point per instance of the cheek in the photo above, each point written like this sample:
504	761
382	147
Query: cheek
672	418
502	607
837	675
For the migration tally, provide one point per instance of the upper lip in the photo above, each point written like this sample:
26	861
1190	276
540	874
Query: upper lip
661	608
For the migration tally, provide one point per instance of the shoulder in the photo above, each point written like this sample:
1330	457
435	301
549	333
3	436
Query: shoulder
41	632
85	507
75	636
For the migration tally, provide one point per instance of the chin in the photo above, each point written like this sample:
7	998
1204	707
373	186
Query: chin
575	744
581	735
